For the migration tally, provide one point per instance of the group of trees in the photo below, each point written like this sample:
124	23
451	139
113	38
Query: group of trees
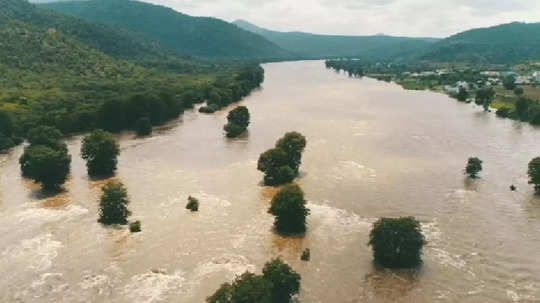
46	159
278	284
281	163
7	138
237	121
525	110
484	97
100	150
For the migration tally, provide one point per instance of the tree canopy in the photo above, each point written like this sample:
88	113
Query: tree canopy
281	163
237	121
534	174
474	166
113	204
46	165
100	150
289	208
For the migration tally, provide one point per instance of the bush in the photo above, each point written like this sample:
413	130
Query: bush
45	135
143	126
518	91
536	119
193	204
474	166
503	112
397	243
285	281
100	150
209	109
46	165
280	164
278	284
289	208
534	174
113	204
522	109
135	227
238	121
306	255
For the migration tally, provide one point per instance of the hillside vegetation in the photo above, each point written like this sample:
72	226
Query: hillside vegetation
378	47
185	35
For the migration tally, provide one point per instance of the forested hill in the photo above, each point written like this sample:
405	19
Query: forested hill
507	43
377	47
111	41
186	35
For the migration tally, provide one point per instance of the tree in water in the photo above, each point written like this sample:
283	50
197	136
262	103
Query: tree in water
237	121
397	242
113	204
285	281
289	208
281	163
100	150
484	97
534	174
46	165
522	109
474	166
462	95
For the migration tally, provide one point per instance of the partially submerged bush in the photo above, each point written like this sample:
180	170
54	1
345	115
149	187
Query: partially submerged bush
100	150
209	109
281	163
113	204
193	204
289	209
474	166
534	174
397	242
135	227
306	255
237	121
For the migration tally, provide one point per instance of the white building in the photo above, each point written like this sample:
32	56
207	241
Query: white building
536	76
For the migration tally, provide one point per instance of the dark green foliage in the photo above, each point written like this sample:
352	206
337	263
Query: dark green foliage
306	255
100	150
518	91
46	165
143	127
509	82
113	204
185	35
522	109
289	208
209	109
503	112
502	44
513	187
135	227
462	95
5	142
45	135
484	97
474	166
281	164
534	174
536	119
397	242
285	281
278	284
6	124
193	204
237	121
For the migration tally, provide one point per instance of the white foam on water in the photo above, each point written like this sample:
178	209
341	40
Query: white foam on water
153	286
90	280
37	253
50	215
337	220
351	169
232	265
461	195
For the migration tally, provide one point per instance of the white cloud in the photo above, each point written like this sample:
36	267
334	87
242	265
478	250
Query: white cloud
436	18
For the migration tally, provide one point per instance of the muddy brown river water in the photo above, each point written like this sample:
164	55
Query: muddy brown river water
374	150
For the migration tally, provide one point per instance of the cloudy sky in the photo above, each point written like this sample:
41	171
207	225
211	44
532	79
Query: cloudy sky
434	18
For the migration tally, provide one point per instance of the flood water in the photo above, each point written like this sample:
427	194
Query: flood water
373	150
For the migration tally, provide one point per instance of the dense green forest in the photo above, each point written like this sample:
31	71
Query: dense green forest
186	35
51	77
378	47
503	44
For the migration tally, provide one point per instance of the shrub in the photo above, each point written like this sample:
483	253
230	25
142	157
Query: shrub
503	112
285	281
518	91
474	166
193	204
306	255
135	227
280	164
289	208
237	121
397	243
113	204
100	150
209	109
534	174
143	126
46	165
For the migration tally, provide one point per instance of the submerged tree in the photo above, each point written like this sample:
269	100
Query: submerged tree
237	121
285	281
484	97
281	163
474	166
113	204
100	150
397	242
534	174
46	165
289	208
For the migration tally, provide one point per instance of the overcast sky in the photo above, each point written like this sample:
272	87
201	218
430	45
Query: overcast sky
434	18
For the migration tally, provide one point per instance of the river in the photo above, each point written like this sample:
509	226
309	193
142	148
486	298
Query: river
373	150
